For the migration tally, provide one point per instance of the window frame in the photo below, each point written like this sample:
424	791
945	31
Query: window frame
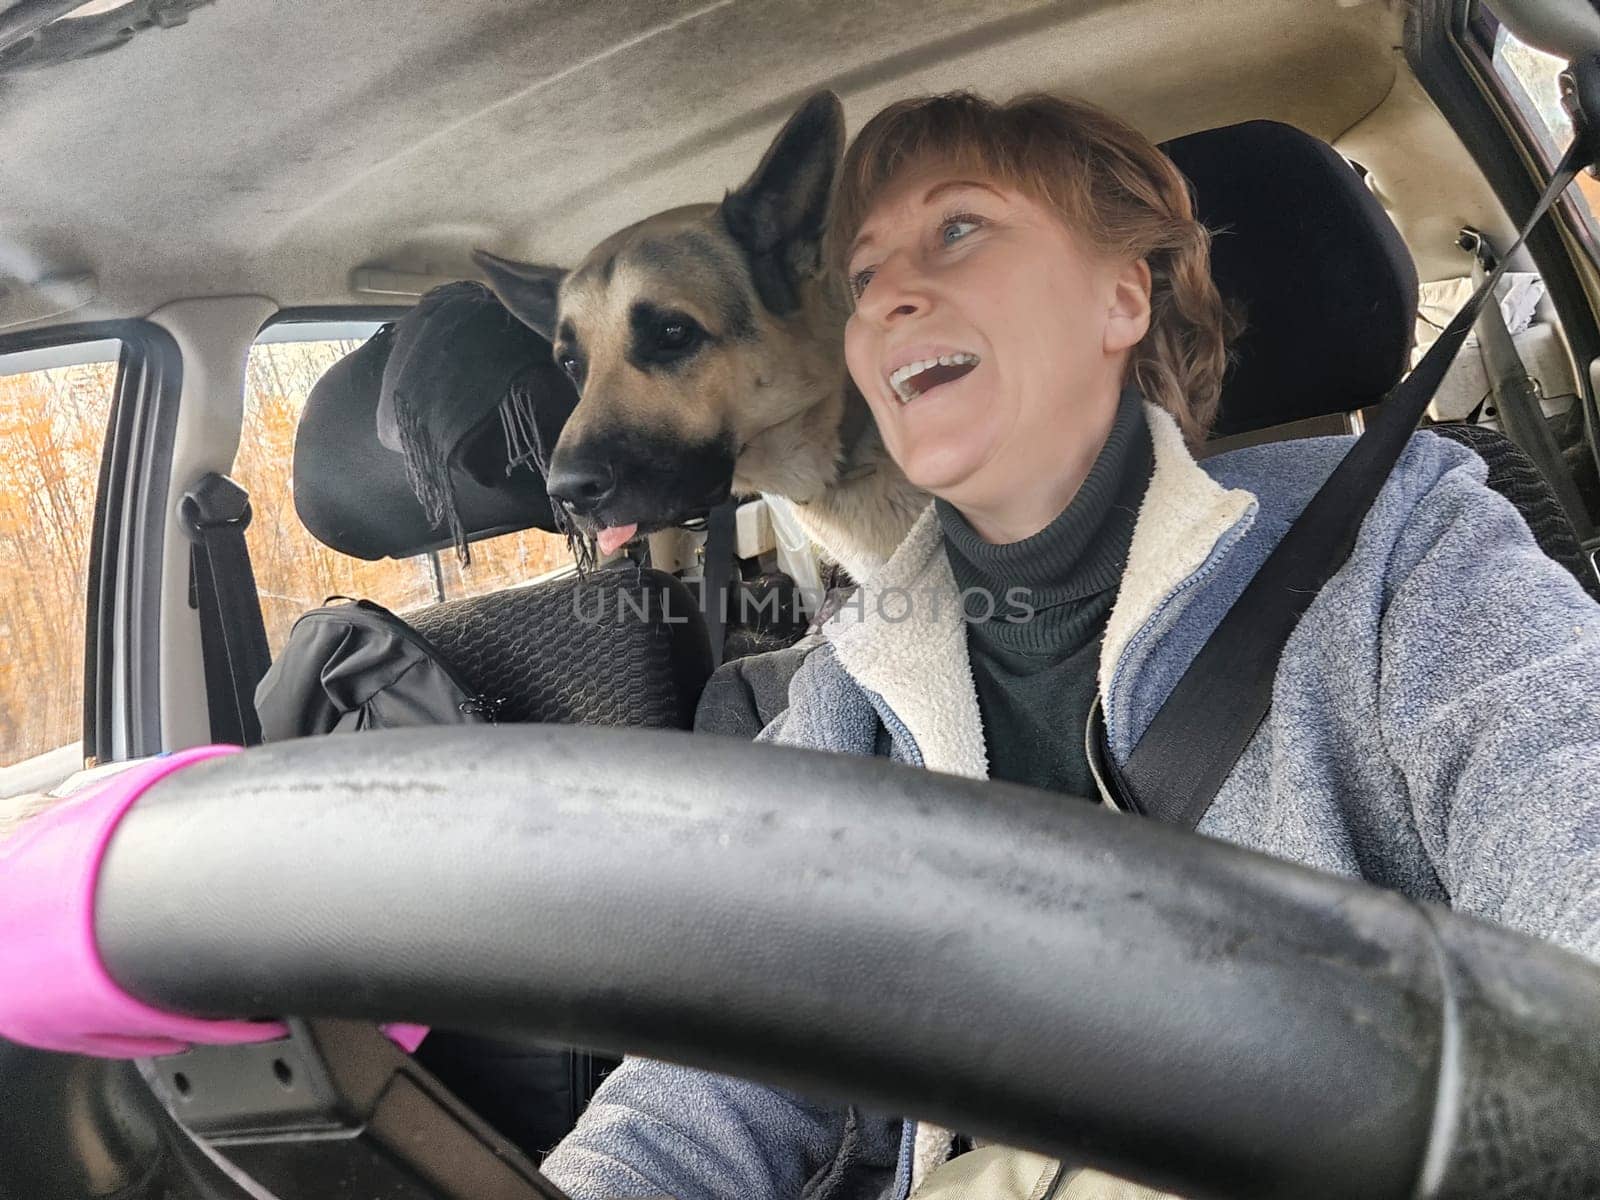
1445	53
122	606
1480	26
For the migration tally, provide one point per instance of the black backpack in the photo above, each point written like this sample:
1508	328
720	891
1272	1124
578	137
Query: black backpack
354	665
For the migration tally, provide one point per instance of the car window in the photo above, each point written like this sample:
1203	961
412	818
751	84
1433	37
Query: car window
295	572
54	408
1528	77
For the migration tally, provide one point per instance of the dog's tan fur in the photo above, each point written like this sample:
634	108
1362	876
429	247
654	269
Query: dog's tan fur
783	395
773	384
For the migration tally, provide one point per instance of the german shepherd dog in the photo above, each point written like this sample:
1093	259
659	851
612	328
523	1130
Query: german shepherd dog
706	344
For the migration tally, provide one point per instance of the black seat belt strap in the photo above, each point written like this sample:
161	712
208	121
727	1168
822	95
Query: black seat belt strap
1194	740
1517	399
233	637
717	573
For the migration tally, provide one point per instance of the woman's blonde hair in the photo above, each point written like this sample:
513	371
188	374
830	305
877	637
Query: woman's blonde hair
1110	186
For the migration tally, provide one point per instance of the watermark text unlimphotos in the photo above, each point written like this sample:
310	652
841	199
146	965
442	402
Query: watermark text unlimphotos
750	606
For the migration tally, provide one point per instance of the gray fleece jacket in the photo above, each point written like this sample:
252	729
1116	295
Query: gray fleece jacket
1435	728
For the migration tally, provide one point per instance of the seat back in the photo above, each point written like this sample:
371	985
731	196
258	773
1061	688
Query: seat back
1514	475
1328	294
621	647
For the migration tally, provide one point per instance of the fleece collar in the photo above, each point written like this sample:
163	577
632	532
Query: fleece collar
1184	514
903	637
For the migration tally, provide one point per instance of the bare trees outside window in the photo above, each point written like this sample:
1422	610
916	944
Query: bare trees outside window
54	406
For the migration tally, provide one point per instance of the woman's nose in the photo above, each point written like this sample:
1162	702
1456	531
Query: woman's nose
896	293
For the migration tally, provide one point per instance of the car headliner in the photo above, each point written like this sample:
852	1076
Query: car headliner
275	150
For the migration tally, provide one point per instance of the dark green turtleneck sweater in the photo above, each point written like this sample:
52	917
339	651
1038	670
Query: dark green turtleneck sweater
1036	676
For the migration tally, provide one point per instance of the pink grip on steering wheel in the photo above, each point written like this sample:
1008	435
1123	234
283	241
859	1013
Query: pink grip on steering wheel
55	992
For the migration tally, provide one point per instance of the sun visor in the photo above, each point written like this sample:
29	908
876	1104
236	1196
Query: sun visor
356	495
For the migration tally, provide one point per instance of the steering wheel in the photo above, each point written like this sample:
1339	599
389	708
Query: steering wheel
999	960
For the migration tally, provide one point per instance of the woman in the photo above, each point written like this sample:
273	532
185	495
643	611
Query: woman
1037	334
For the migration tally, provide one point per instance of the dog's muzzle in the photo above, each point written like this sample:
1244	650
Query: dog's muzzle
580	486
626	478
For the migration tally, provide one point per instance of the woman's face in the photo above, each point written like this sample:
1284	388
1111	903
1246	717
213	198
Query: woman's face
990	345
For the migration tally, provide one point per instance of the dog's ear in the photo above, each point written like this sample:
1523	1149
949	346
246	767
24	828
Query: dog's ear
779	215
530	291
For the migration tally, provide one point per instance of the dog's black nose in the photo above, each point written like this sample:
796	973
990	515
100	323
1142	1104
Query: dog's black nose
582	485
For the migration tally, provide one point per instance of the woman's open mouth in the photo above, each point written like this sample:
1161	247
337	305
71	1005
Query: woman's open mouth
920	377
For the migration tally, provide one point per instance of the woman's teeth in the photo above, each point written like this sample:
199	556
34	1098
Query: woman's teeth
911	380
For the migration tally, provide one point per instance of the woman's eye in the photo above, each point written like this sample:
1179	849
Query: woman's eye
859	281
956	228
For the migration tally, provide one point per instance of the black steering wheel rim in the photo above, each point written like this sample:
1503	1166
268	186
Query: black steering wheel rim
1004	961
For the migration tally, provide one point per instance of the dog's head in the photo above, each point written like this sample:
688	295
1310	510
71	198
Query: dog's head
690	336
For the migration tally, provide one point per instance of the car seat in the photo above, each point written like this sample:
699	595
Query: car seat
1328	294
1306	256
622	647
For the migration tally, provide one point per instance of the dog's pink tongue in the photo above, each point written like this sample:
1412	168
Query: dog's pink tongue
615	535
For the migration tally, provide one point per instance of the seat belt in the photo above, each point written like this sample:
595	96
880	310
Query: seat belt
1517	399
1197	736
717	572
214	514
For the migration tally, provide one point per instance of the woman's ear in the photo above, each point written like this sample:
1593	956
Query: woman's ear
1128	317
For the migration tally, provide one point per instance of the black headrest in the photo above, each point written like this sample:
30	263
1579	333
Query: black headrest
357	496
1327	287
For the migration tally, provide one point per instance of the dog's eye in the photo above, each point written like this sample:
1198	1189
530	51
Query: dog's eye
663	338
675	335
